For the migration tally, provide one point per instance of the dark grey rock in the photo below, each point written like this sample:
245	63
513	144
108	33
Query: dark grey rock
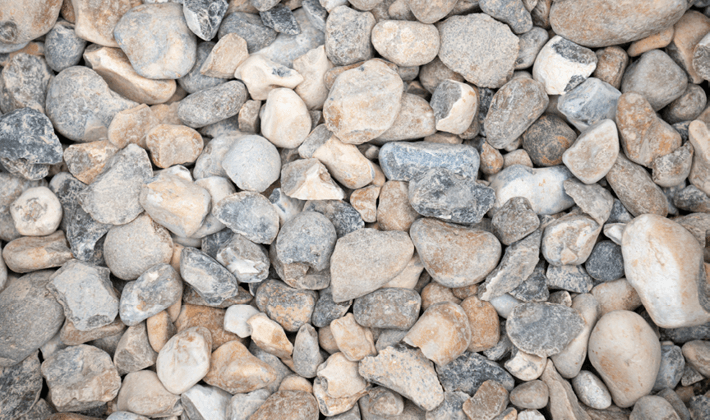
248	261
443	194
288	306
62	47
682	129
27	306
515	220
211	244
684	334
249	214
692	199
619	214
469	371
502	348
605	263
388	308
341	214
281	19
203	17
286	48
65	187
23	83
250	27
572	278
690	376
672	366
306	353
451	408
20	386
326	310
28	134
534	288
40	411
263	5
485	97
308	238
517	264
347	36
81	105
113	197
194	81
699	407
155	290
547	139
589	103
29	171
208	277
403	161
643	76
211	105
512	12
530	44
315	13
543	329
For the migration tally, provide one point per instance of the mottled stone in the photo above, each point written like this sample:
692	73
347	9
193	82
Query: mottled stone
173	145
616	295
543	329
209	278
241	406
514	220
569	240
36	212
128	261
87	160
347	36
134	352
20	386
143	393
288	405
155	290
308	179
589	103
249	214
247	261
514	13
345	162
290	307
591	390
452	334
185	359
455	105
30	253
204	402
469	371
212	105
563	65
563	402
27	21
405	161
270	336
642	77
530	395
204	17
415	120
606	262
547	139
671	369
530	44
488	402
249	27
281	19
194	81
516	266
513	109
634	187
406	43
95	21
23	83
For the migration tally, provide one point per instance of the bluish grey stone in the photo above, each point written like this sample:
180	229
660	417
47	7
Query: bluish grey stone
451	408
517	264
403	161
684	334
543	187
23	83
287	48
308	238
241	406
40	411
531	43
672	366
485	97
211	105
29	171
469	371
86	293
619	214
210	161
572	278
194	81
347	36
249	214
288	306
543	329
534	288
442	194
281	19
211	244
591	390
388	308
316	13
655	407
326	310
511	12
249	262
306	352
515	220
502	348
589	103
605	263
208	277
287	207
81	106
20	386
203	17
692	199
205	402
341	214
28	134
250	27
675	401
263	5
642	77
252	163
62	47
155	290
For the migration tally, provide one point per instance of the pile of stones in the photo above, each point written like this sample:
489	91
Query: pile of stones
354	209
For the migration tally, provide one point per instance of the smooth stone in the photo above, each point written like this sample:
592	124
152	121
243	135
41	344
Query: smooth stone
594	153
626	353
569	240
287	48
342	215
142	393
455	105
589	103
642	77
606	262
95	21
132	125
185	359
211	105
672	367
394	211
406	43
309	179
252	163
469	371
517	264
657	40
696	355
204	402
73	89
563	402
210	279
225	57
262	75
512	12
31	253
478	64
134	352
415	120
27	21
204	17
404	161
20	387
611	64
175	203
344	161
452	334
154	291
543	329
547	139
616	295
288	405
284	119
127	262
653	406
173	145
152	60
36	212
347	36
306	353
687	107
635	189
591	390
531	395
531	42
391	308
23	83
353	340
194	81
562	65
570	360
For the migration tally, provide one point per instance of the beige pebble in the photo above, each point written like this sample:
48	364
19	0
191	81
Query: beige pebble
270	336
354	341
442	333
173	145
229	52
131	125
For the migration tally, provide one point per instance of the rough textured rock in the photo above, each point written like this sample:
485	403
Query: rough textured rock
406	43
156	289
27	21
347	36
452	336
563	402
489	401
288	405
469	371
404	161
209	278
20	386
308	179
203	17
642	77
249	214
516	266
176	203
23	82
455	105
173	145
543	329
635	189
212	105
143	393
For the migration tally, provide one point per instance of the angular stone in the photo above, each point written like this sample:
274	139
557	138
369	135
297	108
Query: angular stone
209	278
87	160
635	189
128	262
143	393
514	220
388	308
347	36
563	402
261	76
513	109
339	377
404	161
212	105
569	240
269	336
288	405
452	336
488	402
547	139
203	402
563	65
672	367
247	261
354	341
23	83
156	289
306	353
204	17
469	371
308	179
31	253
642	77
241	406
284	118
516	266
173	145
543	329
530	44
572	278
589	103
406	43
133	352
514	13
194	81
225	57
20	386
177	204
185	359
281	19
455	105
700	140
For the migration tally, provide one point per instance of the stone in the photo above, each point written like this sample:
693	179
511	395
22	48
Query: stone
530	44
203	402
247	261
173	145
210	279
160	329
155	290
682	287
695	353
514	108
606	262
687	107
569	240
204	17
404	161
452	336
469	371
241	406
249	27
248	117
80	378
249	214
594	153
27	134
406	43
41	410
127	261
406	372
288	405
364	102
225	57
547	139
514	220
592	102
212	105
562	65
415	120
620	343
442	194
308	179
306	353
391	308
364	200
347	36
313	65
591	390
534	288
24	81
652	405
531	395
656	41
151	60
133	352
114	196
288	306
674	399
281	19
340	378
513	13
87	160
95	21
21	386
516	266
454	104
353	340
219	189
477	62
572	278
142	393
543	329
270	336
194	81
284	119
394	211
382	254
344	162
616	295
175	203
86	294
699	406
644	197
25	22
672	366
688	31
131	126
641	78
570	360
31	253
185	359
262	75
488	402
36	212
563	402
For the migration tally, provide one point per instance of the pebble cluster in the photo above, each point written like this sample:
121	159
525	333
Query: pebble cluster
354	209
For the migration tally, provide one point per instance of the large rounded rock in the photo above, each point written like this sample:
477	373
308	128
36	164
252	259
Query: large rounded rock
406	43
543	329
627	354
664	263
23	21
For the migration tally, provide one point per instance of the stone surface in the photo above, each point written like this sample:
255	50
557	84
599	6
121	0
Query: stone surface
225	57
455	105
210	279
203	17
489	401
173	145
24	81
591	390
128	262
203	402
261	76
175	203
543	329
642	77
469	371
589	103
26	22
391	308
134	352
641	198
270	336
20	386
236	370
404	161
347	36
284	118
36	212
249	214
570	360
87	160
247	261
27	134
406	43
156	289
547	139
569	240
606	262
514	220
211	105
143	393
31	253
452	333
288	405
308	179
516	266
562	65
281	19
672	367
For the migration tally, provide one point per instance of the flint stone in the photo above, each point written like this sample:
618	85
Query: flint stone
469	371
23	83
591	390
514	220
281	19
643	76
516	266
563	65
209	278
175	203
63	48
248	261
249	214
154	291
634	187
341	214
212	105
451	408
194	81
205	403
31	253
543	329
589	103
308	238
289	307
572	278
402	161
606	262
241	406
347	36
203	17
184	360
534	288
563	402
512	12
252	163
20	386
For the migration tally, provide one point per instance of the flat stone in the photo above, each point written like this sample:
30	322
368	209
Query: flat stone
655	41
478	63
543	329
31	253
489	401
151	60
514	220
531	395
644	197
225	57
185	359
687	107
249	214
353	340
642	77
24	80
212	105
21	386
306	353
570	360
205	402
616	295
572	278
143	393
563	402
288	405
415	120
308	179
128	262
347	36
591	390
516	266
469	371
95	21
209	278
204	17
340	378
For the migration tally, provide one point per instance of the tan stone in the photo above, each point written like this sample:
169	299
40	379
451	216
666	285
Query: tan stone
166	113
229	52
32	253
173	145
442	333
248	118
27	20
492	160
354	341
284	119
313	66
270	336
611	65
33	48
465	292
525	366
96	19
700	171
142	393
71	336
208	317
415	120
288	405
160	329
406	43
331	406
87	160
261	76
617	295
635	188
236	370
296	383
563	401
326	341
488	402
364	200
409	277
594	153
67	11
345	163
113	65
517	157
131	126
394	211
656	41
484	323
688	31
434	293
340	377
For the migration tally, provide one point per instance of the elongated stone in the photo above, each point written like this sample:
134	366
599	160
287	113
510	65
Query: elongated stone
402	161
209	278
249	214
517	265
543	329
513	109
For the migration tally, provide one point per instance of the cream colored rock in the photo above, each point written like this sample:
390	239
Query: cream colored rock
525	366
627	355
308	179
442	333
185	359
131	126
261	76
312	66
236	370
36	212
354	341
96	19
32	253
269	336
517	157
409	277
345	163
561	65
617	295
594	153
142	393
296	383
219	189
284	119
330	406
688	31
664	263
455	104
115	68
406	43
563	403
364	200
340	376
700	139
569	361
173	145
87	160
394	212
226	56
236	317
178	205
415	120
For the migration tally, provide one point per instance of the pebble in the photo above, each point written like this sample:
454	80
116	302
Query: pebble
21	386
570	360
288	405
241	406
194	81
142	393
525	366
173	145
543	329
606	262
531	395
406	43
234	369
134	352
155	290
652	405
442	333
563	402
591	390
247	261
530	44
672	367
30	253
347	36
29	21
616	295
249	214
547	139
285	121
24	83
290	307
204	17
454	104
270	336
635	189
203	402
514	13
469	371
514	220
589	103
517	264
345	162
641	77
211	105
27	135
405	161
36	212
391	308
175	203
489	401
211	280
281	19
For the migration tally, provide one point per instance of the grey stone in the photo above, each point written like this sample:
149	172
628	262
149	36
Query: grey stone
402	161
211	105
347	36
643	76
547	139
262	5
20	386
684	334
62	47
134	352
40	411
114	196
241	406
534	288
687	106
281	19
469	371
605	263
290	307
543	329
252	163
515	220
517	264
287	48
308	238
205	403
170	56
591	390
572	278
306	353
86	294
692	199
455	106
248	261
125	415
690	376
203	17
28	134
619	214
652	406
388	308
530	44
442	194
83	233
512	12
326	310
341	214
286	207
249	214
208	277
592	199
634	187
451	408
672	366
211	244
194	81
678	404
502	348
23	83
673	169
155	290
29	171
250	27
589	103
427	11
316	13
209	163
530	395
